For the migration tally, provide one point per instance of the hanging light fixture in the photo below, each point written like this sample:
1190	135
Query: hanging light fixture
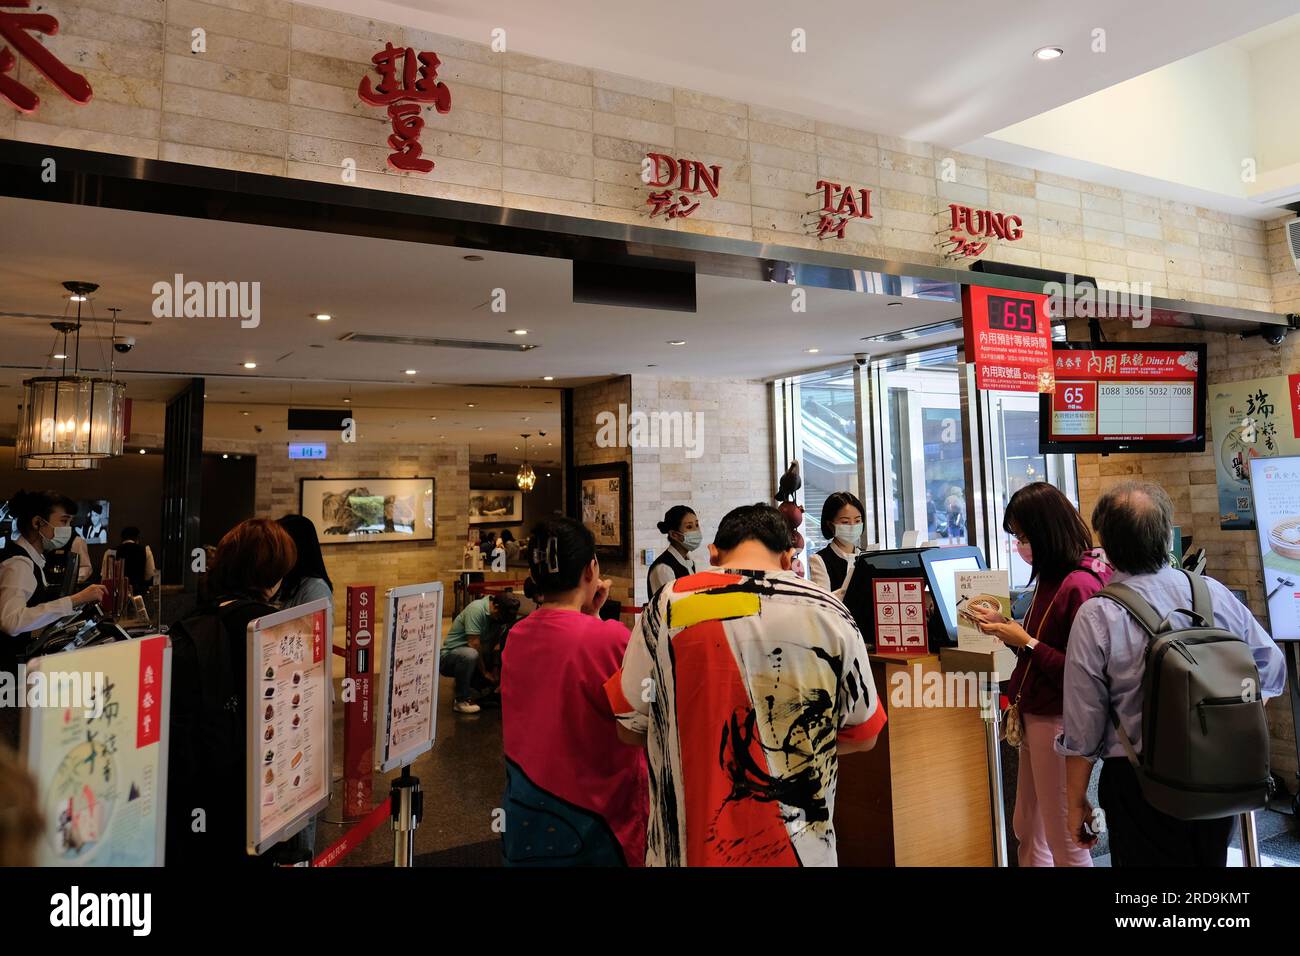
526	477
69	422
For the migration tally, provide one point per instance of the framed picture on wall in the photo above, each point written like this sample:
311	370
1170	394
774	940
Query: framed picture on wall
352	510
492	506
602	494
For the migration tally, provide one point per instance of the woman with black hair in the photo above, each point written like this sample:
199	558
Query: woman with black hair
683	530
1053	540
308	580
832	567
43	520
566	769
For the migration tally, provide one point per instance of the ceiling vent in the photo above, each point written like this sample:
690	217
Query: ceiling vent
1293	241
377	339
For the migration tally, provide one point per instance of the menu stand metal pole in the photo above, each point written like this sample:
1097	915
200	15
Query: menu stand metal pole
993	748
1249	840
407	807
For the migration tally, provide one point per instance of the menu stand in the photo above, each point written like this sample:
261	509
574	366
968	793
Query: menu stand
408	807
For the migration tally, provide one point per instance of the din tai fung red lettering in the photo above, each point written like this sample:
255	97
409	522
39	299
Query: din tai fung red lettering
16	33
683	178
404	95
835	213
972	228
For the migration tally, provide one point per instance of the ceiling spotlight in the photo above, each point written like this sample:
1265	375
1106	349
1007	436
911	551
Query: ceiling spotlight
517	331
250	365
347	401
548	378
245	414
225	456
812	351
323	316
142	451
433	418
79	298
410	371
59	355
479	428
471	405
676	341
1048	52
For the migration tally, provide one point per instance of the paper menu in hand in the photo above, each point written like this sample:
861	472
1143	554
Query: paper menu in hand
991	591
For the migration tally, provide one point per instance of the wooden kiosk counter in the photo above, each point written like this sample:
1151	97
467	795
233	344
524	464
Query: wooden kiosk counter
921	796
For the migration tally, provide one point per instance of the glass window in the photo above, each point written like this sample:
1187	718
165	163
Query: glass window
827	448
923	448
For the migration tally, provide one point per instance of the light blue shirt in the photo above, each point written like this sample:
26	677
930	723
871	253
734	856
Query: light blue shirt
1105	663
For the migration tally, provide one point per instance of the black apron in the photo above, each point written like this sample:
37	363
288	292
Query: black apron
12	646
837	568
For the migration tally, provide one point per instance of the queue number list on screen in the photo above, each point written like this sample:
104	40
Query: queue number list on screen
1134	398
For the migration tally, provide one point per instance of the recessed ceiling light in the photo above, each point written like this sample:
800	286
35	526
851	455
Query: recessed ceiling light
323	316
142	451
410	371
433	418
676	341
472	258
548	378
1048	52
347	401
471	405
244	413
812	351
250	365
517	331
479	429
225	456
60	355
895	305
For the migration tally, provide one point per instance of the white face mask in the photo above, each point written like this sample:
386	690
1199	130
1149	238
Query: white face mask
691	540
848	534
61	537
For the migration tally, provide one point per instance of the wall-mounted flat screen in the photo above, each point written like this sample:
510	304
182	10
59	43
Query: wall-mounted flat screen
1113	398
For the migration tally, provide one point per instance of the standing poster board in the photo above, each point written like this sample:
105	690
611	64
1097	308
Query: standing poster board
1275	489
97	747
290	726
990	591
408	695
1252	419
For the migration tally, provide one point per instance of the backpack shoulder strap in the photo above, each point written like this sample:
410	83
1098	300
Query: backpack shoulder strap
1135	604
1202	603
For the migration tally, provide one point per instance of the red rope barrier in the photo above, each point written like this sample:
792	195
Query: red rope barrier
354	837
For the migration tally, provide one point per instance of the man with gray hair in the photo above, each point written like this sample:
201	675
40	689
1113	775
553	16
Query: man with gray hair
1105	663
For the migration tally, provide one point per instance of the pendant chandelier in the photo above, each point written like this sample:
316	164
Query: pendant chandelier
71	422
526	477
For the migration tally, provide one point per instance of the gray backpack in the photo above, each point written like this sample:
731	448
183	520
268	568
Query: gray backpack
1204	734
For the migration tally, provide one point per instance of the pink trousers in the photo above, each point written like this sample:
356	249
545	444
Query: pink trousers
1040	818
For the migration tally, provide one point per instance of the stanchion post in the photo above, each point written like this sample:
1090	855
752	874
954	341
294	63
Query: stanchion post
407	809
993	748
1249	840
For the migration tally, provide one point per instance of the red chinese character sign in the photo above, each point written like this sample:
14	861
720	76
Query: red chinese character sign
16	31
970	230
678	181
840	205
418	84
1009	338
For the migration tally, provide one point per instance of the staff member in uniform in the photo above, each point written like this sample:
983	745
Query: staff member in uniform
832	567
683	530
42	519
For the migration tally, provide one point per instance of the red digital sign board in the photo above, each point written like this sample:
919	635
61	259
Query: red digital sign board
1009	338
1119	398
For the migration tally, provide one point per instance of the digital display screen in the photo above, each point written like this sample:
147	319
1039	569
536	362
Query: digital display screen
1124	398
1008	314
299	450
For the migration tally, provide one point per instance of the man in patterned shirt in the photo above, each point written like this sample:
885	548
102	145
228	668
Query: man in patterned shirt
747	681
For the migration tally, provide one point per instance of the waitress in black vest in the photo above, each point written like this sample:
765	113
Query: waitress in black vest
683	530
832	567
43	522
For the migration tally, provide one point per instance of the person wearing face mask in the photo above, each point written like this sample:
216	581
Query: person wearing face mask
683	530
43	522
1052	539
832	567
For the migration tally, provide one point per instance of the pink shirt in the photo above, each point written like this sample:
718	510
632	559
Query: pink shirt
557	724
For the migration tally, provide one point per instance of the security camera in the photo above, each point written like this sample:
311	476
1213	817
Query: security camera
861	359
1274	334
123	343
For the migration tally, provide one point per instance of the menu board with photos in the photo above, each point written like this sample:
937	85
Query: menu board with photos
986	591
899	605
99	758
289	721
409	692
1275	488
1251	419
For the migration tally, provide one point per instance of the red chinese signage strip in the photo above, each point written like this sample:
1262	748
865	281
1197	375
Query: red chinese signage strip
1009	338
356	836
1293	389
16	32
1112	364
419	84
149	709
358	727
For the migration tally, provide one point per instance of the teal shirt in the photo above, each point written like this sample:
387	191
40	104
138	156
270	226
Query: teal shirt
474	621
